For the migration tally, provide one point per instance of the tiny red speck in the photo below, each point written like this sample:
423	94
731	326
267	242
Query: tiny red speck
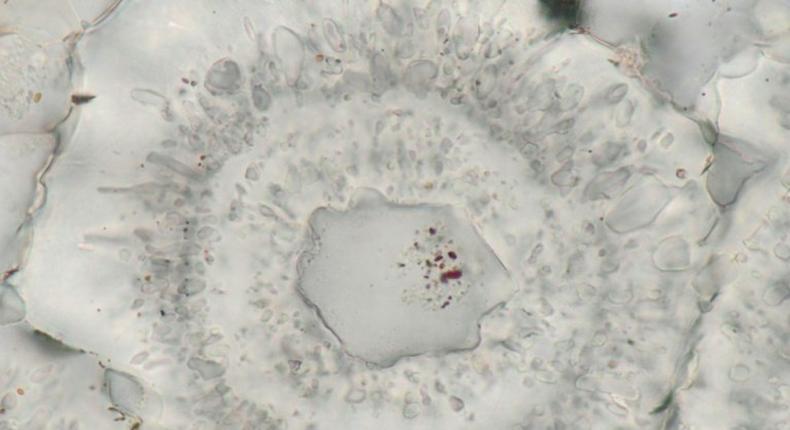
432	231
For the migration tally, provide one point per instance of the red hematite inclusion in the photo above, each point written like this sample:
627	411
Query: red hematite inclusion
451	274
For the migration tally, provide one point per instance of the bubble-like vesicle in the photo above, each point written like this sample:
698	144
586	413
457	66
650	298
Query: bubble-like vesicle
148	97
465	33
334	36
125	391
607	184
565	176
739	373
207	369
782	251
381	74
623	113
776	293
390	19
615	93
261	98
223	77
172	164
638	206
132	395
290	51
672	254
419	76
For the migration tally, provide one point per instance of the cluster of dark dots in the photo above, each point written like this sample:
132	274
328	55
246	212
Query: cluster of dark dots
441	269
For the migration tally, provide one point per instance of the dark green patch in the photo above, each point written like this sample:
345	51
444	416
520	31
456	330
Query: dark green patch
665	404
563	11
81	99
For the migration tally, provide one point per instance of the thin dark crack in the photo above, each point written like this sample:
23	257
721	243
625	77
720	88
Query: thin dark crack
665	404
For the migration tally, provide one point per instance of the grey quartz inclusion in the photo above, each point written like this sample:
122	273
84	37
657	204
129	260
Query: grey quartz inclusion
394	280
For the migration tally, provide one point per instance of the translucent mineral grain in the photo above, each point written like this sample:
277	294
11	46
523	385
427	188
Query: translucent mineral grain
393	281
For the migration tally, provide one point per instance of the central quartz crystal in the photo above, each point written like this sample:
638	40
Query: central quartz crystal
393	280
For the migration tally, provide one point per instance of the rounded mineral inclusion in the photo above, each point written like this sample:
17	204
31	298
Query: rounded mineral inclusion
393	280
